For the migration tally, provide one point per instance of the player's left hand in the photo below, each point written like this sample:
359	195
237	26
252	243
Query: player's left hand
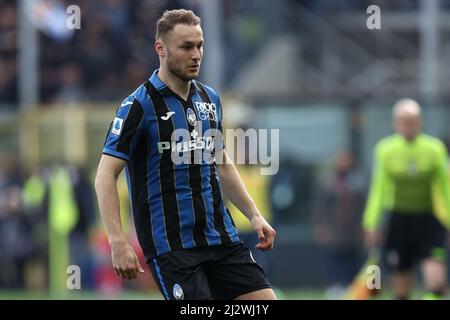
266	234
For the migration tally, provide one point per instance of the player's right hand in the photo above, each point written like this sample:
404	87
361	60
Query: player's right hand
266	234
125	261
372	239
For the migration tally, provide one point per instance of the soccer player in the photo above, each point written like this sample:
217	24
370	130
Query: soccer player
186	233
406	167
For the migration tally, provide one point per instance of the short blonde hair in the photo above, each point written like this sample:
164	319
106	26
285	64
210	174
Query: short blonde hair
170	18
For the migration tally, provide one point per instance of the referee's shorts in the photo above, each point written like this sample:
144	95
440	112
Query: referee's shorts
412	237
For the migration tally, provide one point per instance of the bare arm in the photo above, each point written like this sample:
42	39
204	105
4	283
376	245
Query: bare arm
234	189
124	258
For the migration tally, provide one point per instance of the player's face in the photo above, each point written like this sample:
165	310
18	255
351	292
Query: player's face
408	126
184	51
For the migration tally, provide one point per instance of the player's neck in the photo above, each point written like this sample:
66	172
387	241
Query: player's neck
177	85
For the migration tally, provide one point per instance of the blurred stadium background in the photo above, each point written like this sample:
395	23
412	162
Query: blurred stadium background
310	68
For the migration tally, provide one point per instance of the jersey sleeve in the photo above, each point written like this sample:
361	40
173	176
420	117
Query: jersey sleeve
442	179
123	129
375	202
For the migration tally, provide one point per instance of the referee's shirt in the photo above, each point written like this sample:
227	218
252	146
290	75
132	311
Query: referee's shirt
404	176
174	188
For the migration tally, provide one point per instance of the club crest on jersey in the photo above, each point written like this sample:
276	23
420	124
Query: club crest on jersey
191	117
178	292
206	111
117	126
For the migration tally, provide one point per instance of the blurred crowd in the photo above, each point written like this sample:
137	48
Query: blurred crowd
102	64
58	198
115	54
339	201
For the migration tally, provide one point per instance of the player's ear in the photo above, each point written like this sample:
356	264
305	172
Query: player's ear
160	48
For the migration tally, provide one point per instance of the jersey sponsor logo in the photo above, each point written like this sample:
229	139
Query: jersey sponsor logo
178	293
117	126
191	117
206	111
168	115
197	142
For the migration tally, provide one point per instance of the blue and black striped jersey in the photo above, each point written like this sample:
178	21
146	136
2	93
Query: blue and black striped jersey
172	175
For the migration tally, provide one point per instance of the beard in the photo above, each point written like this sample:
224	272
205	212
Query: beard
176	69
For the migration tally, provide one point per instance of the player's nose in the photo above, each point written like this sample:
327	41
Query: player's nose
196	55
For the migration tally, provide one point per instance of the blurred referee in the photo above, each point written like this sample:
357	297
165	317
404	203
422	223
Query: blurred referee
407	166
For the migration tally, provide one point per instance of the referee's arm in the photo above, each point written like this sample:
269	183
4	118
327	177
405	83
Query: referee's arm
234	189
442	179
374	207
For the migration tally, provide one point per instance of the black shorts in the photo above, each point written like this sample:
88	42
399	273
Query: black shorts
221	272
413	237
